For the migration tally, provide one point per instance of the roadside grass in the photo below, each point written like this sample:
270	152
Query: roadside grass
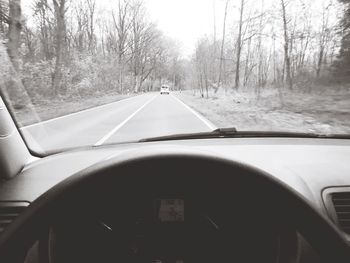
324	110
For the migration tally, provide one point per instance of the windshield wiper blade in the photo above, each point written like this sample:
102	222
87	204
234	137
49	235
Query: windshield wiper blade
220	132
186	136
229	130
233	133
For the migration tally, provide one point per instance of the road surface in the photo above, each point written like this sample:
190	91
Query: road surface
132	119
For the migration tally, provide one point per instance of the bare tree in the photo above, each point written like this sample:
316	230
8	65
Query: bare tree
29	41
239	44
122	25
91	4
203	62
249	64
14	31
222	45
45	24
144	45
60	10
137	28
286	45
324	36
81	18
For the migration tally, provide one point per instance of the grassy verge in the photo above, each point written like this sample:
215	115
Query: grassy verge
326	111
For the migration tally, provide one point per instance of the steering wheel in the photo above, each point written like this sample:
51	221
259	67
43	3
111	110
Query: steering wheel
201	168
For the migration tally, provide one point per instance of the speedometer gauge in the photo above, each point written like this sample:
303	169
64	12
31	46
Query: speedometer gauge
170	210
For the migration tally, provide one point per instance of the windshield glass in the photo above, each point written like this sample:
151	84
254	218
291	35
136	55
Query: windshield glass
94	72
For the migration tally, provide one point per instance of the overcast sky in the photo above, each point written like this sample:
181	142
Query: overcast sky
184	20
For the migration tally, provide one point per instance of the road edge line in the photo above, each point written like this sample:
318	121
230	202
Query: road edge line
74	113
198	115
116	128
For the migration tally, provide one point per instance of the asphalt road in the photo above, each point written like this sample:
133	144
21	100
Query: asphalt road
132	119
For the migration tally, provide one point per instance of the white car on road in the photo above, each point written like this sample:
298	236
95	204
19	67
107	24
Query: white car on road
165	89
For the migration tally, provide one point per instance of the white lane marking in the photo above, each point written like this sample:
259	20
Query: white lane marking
77	112
108	135
204	120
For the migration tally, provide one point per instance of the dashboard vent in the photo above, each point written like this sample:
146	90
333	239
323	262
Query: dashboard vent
9	211
341	203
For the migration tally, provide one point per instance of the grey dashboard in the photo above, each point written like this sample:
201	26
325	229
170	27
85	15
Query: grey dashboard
308	165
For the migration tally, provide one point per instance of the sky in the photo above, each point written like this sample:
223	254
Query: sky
184	20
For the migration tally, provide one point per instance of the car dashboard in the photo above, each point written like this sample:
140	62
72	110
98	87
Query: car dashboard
173	224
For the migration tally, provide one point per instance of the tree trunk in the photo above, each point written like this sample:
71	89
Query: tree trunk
319	62
3	19
14	31
286	47
274	59
91	6
239	46
60	43
121	79
222	47
246	69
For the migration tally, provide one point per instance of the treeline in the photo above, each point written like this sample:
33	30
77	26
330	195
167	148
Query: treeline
67	48
78	48
290	44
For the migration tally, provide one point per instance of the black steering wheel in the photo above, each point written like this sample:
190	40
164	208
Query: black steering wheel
201	169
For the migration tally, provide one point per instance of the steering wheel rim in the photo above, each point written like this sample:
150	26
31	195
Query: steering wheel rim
332	245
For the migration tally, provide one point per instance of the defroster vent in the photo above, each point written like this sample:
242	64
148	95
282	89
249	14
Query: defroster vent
8	213
341	204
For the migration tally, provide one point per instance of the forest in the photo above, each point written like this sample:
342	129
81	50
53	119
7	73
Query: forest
66	48
72	49
291	44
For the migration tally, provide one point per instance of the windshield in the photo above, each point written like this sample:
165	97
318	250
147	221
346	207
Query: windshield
90	73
